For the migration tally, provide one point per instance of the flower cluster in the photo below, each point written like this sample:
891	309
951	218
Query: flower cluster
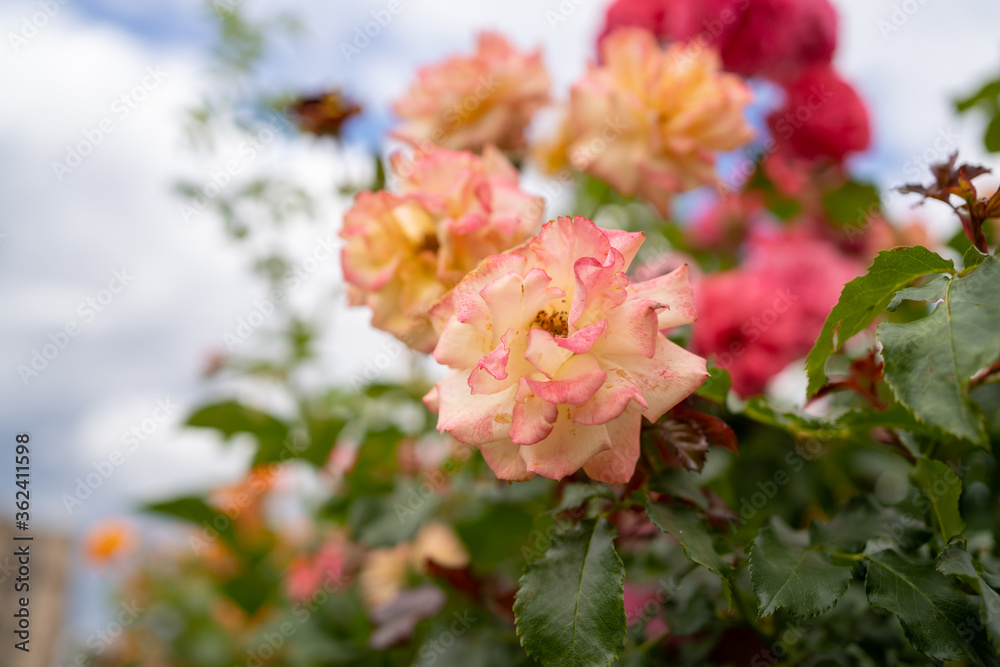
555	356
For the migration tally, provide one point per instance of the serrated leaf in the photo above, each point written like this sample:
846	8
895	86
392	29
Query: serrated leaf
932	290
973	256
942	488
862	520
570	608
802	580
895	416
864	298
928	363
934	616
689	527
956	561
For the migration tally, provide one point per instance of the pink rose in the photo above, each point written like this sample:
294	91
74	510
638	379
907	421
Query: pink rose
307	574
405	251
555	356
823	117
649	121
771	38
467	102
723	226
762	316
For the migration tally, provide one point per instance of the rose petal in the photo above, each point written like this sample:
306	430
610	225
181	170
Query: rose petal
566	449
473	419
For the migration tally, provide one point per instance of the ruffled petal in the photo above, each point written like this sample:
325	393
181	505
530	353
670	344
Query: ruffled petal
469	305
533	416
617	464
669	377
488	375
632	329
672	290
504	459
545	353
583	340
611	400
513	300
579	378
566	449
473	419
627	243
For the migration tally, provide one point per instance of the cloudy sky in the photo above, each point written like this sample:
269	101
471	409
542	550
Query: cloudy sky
94	244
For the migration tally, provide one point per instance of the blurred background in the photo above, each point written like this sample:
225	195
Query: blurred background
106	240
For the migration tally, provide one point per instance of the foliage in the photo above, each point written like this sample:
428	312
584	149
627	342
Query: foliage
859	528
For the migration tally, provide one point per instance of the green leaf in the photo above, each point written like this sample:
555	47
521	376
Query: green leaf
680	483
935	616
988	93
942	488
928	363
862	520
232	417
495	535
864	298
574	495
862	421
196	511
570	608
716	387
992	137
323	434
973	256
789	575
932	290
689	527
956	561
851	204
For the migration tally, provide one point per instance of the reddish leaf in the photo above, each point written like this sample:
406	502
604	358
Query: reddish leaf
683	437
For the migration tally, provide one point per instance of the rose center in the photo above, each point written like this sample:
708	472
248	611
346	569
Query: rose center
430	242
556	323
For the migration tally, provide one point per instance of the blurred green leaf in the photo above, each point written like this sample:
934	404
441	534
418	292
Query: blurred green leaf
863	520
943	489
852	204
